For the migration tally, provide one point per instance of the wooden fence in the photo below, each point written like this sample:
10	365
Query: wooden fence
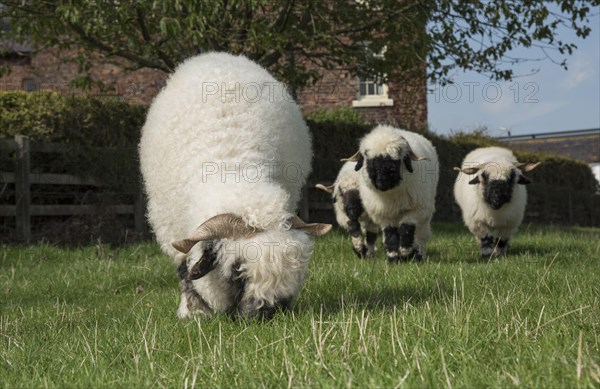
22	178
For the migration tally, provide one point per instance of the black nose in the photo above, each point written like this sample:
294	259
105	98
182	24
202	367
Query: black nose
384	185
497	204
353	212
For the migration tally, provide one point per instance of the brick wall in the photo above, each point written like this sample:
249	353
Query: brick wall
337	88
48	71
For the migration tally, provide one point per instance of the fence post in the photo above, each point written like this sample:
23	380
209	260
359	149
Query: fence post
304	211
139	218
22	187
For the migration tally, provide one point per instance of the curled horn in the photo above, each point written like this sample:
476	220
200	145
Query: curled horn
222	226
313	229
469	170
358	158
353	158
328	189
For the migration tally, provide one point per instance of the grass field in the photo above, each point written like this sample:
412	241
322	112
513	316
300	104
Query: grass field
103	317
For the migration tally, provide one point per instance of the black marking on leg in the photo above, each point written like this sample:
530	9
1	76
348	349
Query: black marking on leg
406	231
356	233
487	241
370	246
392	242
502	243
362	253
371	238
487	245
354	228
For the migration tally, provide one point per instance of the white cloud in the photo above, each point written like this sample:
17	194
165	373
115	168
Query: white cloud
511	114
579	71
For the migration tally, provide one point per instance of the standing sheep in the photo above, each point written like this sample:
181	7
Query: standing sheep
398	181
224	154
350	212
493	201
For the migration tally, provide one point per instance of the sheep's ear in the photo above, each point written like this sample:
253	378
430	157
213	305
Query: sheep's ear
408	163
411	156
474	181
222	226
312	229
329	189
358	158
523	180
527	167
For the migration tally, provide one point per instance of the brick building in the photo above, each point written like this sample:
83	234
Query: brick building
402	102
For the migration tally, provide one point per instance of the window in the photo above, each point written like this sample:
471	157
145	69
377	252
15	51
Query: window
371	91
28	85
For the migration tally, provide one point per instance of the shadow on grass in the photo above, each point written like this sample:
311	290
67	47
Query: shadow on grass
373	299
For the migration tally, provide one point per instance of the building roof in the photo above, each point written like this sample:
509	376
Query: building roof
581	145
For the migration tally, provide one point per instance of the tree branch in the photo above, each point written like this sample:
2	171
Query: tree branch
117	52
148	39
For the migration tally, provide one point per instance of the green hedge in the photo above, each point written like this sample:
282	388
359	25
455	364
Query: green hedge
103	136
563	192
81	120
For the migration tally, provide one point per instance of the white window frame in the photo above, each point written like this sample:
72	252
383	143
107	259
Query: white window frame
374	100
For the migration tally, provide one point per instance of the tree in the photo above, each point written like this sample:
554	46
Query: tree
294	38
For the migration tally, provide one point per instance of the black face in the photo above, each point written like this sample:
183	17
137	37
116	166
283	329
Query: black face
352	204
384	172
498	192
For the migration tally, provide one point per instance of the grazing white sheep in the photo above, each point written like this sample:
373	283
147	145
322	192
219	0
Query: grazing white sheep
349	210
399	176
492	196
224	154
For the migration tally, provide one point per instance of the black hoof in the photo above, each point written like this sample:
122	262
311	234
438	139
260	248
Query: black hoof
361	254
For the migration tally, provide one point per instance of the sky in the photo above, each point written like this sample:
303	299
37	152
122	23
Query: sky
552	99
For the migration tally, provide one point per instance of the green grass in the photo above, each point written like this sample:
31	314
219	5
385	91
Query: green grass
102	317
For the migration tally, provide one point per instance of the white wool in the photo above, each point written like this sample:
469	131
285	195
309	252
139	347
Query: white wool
413	201
479	217
223	136
385	140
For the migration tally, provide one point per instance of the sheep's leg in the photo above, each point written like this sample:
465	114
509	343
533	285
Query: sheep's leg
422	234
391	241
502	245
487	244
371	240
370	231
406	232
357	240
